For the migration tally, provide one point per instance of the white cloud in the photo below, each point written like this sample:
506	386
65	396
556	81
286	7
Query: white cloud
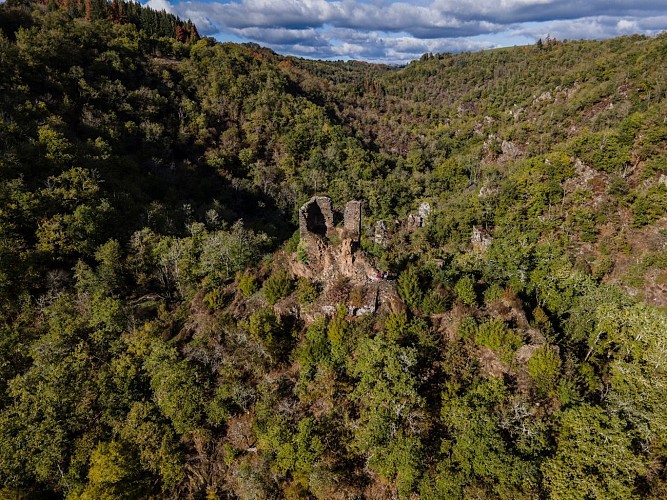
160	5
401	30
627	26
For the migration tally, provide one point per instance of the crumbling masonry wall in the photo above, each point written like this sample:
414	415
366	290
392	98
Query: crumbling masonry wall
352	220
316	217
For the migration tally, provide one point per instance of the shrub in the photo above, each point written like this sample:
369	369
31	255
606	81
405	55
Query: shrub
495	335
277	286
274	335
435	303
544	367
306	291
465	291
263	323
650	207
247	284
315	349
409	288
467	328
215	299
493	293
302	252
293	242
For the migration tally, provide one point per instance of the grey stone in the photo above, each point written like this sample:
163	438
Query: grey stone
480	239
414	222
424	211
510	150
381	236
328	310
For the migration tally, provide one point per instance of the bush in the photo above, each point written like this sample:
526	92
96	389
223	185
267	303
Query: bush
215	299
465	291
302	252
435	303
650	207
315	349
277	286
493	293
263	323
306	291
293	242
226	252
544	367
467	328
495	335
409	288
247	284
274	335
604	151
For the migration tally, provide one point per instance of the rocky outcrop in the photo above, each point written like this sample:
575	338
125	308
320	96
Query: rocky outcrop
420	219
510	151
424	211
381	234
480	239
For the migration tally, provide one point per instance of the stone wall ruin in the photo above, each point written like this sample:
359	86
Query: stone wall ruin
316	217
352	220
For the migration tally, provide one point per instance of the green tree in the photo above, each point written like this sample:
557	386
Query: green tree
225	253
593	458
476	456
177	387
409	287
391	409
114	473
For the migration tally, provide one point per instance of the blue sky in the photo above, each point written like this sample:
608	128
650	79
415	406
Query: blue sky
399	31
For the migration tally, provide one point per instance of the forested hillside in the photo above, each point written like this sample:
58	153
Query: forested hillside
166	331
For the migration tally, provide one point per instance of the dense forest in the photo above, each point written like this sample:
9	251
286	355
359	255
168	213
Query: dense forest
166	332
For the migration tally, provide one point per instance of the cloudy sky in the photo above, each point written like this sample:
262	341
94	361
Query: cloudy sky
399	31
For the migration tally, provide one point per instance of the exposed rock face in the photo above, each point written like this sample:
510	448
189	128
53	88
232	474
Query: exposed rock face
316	217
424	211
413	222
379	296
420	219
480	239
487	191
510	150
352	220
544	96
381	236
329	261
